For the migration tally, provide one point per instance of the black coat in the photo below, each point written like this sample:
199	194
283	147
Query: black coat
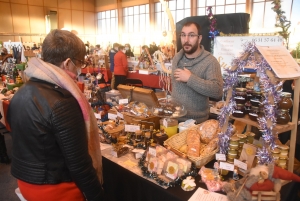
49	138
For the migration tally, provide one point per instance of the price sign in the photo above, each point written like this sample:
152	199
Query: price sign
220	157
226	166
123	101
240	164
131	128
152	151
98	116
112	116
120	115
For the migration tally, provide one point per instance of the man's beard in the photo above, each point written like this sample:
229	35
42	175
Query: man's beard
192	50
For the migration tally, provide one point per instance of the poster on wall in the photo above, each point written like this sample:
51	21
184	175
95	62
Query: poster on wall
226	48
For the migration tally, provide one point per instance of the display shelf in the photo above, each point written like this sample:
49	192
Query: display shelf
278	128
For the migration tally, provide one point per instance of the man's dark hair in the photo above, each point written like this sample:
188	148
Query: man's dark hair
121	47
60	45
116	45
194	23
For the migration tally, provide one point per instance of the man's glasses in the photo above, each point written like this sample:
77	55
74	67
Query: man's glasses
190	36
82	63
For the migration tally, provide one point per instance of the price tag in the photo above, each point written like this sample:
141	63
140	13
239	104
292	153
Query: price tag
112	116
123	101
131	128
220	157
152	151
165	123
98	116
120	115
240	164
226	166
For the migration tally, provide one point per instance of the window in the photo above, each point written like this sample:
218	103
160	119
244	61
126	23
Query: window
221	6
108	22
136	19
180	9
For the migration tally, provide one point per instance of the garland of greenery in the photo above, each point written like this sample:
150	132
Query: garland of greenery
281	21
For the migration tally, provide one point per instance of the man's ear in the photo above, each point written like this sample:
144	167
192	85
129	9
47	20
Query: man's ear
66	63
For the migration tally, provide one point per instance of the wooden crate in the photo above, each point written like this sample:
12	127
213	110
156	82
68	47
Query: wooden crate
139	94
129	118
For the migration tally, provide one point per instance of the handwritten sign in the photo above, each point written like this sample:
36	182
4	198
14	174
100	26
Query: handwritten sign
281	61
131	128
226	48
221	157
240	164
112	116
226	166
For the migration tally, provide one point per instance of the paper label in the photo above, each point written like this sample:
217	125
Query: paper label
112	116
120	115
123	101
131	128
240	164
226	166
98	116
220	157
152	151
165	123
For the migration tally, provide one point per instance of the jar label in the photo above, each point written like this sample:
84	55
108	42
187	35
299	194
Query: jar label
253	114
237	111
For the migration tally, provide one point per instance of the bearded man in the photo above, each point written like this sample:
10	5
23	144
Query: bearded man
196	75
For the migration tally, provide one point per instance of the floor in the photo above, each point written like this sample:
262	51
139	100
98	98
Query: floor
8	183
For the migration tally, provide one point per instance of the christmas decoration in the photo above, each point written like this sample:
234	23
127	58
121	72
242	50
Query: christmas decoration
213	27
282	22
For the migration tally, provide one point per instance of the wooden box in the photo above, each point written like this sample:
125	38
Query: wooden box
129	118
139	94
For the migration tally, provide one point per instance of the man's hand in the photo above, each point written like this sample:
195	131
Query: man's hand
182	75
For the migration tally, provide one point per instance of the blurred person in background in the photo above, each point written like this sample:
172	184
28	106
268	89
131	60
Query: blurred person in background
128	52
121	67
112	54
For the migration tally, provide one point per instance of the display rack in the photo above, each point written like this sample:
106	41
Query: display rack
273	80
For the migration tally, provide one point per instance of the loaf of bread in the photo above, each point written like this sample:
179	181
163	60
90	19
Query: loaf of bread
210	147
209	130
193	143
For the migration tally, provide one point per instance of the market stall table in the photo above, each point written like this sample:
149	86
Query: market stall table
151	81
106	72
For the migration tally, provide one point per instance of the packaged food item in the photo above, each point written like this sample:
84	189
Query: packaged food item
210	178
171	169
184	164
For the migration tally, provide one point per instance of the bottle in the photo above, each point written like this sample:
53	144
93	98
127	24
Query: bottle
15	74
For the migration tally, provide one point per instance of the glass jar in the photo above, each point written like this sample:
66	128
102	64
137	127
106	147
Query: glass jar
286	101
283	117
253	114
257	95
284	150
255	102
275	153
249	93
250	137
234	143
242	140
247	107
241	95
239	112
232	154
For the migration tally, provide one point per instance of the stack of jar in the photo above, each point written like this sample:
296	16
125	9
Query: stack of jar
233	149
284	105
240	99
254	104
283	156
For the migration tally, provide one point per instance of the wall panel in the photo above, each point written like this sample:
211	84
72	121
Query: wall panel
5	19
65	19
77	21
77	4
64	4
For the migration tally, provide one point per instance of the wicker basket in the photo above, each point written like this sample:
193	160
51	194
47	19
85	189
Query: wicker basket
178	140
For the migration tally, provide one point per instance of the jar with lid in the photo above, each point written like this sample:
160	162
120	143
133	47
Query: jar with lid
247	107
239	111
256	95
138	135
286	101
250	137
253	114
234	143
249	93
283	117
243	139
241	95
284	150
275	153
